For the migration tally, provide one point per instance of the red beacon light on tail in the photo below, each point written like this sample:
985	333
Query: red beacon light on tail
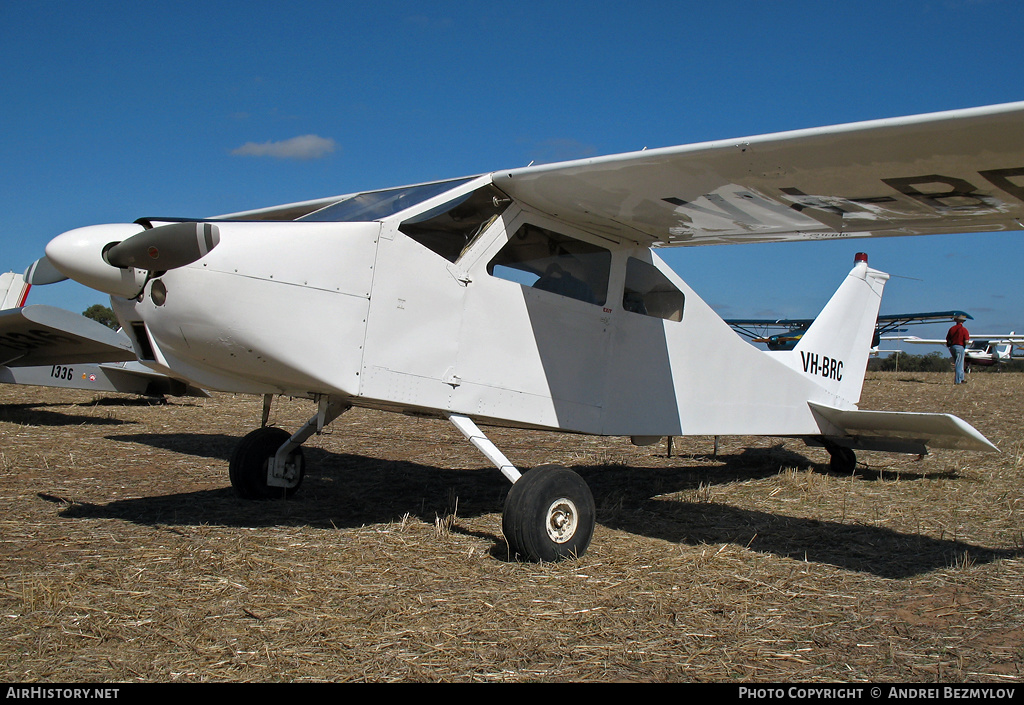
860	257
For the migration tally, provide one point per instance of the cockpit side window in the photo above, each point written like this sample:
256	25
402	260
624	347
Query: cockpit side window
451	227
543	259
650	293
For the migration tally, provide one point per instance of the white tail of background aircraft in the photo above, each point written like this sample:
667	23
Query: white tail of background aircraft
13	290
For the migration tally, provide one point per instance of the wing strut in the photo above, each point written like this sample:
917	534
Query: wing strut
485	446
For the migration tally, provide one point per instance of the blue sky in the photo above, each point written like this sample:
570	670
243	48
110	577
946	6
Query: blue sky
110	111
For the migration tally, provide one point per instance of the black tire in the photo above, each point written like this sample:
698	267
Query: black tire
549	515
248	466
842	460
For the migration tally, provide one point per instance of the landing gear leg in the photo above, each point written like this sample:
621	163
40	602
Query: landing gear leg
549	513
269	464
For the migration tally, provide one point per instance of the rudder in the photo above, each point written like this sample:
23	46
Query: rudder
834	351
13	290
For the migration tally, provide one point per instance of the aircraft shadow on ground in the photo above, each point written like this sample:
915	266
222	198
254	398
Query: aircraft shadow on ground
135	401
50	414
40	415
348	491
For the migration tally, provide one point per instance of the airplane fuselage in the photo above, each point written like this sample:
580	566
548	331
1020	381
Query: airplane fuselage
363	312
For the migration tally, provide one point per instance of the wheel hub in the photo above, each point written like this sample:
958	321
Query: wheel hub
562	520
285	476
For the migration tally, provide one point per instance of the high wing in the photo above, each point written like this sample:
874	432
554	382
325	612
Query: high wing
957	171
790	330
916	339
999	339
45	335
890	322
951	172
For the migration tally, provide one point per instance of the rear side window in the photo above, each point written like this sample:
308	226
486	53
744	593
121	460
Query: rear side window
650	293
546	260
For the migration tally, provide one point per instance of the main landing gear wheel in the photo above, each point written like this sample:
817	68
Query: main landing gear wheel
549	515
842	460
249	462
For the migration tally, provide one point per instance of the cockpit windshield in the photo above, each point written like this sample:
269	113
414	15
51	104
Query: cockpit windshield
374	205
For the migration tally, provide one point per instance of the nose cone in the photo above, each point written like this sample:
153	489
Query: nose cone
78	254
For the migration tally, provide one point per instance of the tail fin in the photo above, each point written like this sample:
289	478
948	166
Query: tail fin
13	290
834	351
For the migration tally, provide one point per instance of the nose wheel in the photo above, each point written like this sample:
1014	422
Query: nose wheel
251	458
549	515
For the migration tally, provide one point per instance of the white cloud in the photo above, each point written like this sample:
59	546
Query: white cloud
303	147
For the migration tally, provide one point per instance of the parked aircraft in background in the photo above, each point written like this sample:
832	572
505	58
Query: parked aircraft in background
13	291
981	351
50	347
533	298
758	330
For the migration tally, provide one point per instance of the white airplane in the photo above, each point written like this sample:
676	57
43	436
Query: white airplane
533	298
982	350
46	346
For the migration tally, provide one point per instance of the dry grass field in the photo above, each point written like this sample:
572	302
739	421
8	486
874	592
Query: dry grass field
124	555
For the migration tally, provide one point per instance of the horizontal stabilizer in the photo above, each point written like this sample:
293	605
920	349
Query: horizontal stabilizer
46	335
900	431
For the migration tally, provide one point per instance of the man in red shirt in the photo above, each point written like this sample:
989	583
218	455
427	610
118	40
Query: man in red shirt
956	341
